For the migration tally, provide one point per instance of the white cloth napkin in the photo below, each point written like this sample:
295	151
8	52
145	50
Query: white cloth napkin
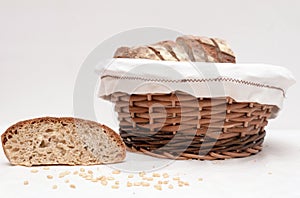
265	84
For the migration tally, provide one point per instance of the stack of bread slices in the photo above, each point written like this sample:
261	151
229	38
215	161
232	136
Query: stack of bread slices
185	48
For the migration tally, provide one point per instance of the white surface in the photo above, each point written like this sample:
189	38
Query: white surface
274	172
265	84
44	43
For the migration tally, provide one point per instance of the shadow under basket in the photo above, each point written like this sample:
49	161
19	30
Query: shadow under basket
181	126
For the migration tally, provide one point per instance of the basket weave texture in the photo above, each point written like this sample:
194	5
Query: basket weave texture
181	126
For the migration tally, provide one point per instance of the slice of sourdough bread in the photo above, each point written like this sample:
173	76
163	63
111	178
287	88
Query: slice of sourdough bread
61	141
176	50
162	52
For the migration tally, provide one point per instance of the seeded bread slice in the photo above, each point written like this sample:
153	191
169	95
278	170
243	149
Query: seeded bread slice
61	141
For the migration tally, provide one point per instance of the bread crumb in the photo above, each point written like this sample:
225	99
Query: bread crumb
129	184
165	175
102	178
94	180
82	170
104	182
176	178
117	182
67	181
75	173
72	186
181	183
49	176
90	172
142	174
63	174
157	187
81	175
160	182
270	173
137	183
200	179
166	182
130	176
116	172
114	186
155	175
145	184
149	179
26	182
54	187
34	171
88	177
110	178
170	186
46	168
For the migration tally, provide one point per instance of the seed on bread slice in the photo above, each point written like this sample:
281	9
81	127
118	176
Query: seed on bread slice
61	141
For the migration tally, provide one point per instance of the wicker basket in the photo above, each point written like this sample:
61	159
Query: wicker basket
180	126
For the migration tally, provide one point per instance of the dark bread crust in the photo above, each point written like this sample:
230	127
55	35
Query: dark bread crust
64	120
211	50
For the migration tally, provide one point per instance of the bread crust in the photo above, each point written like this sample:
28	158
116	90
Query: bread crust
111	133
226	55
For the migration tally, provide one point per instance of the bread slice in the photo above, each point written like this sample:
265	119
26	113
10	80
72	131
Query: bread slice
210	49
123	52
192	47
162	52
142	52
226	54
61	141
177	51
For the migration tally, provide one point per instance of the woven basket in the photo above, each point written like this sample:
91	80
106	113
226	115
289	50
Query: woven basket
180	126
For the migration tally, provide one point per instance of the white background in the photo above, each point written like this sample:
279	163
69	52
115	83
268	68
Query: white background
44	43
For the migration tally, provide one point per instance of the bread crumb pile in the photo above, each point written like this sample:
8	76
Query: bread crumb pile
114	179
